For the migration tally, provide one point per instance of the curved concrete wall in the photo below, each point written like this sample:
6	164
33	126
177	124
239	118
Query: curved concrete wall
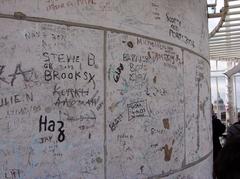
104	89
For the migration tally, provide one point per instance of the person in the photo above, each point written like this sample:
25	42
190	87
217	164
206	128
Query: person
218	130
227	165
234	129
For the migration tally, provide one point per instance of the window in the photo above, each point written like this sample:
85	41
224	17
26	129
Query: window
221	65
213	64
222	88
213	89
237	83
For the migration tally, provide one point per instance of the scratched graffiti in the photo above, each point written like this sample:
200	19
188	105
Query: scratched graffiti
51	103
137	109
160	19
54	122
198	118
142	106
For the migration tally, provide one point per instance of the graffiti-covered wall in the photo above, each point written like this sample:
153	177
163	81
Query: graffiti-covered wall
114	89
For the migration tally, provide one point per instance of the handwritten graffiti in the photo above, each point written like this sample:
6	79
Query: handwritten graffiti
113	125
45	125
70	92
26	74
174	30
15	99
137	109
70	102
13	174
118	71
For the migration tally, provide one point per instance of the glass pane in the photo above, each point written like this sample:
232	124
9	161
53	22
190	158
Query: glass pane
213	89
219	97
220	4
222	88
238	92
212	23
230	64
213	65
210	1
221	65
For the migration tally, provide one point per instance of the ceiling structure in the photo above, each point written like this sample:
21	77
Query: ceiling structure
224	40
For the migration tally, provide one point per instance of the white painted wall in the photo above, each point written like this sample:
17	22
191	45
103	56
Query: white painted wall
104	89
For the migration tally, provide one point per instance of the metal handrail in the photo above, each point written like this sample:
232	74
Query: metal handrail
220	23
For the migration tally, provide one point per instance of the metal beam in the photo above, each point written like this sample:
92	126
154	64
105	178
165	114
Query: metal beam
222	53
231	53
224	45
212	5
225	38
216	52
229	30
225	51
225	34
215	15
224	57
230	25
234	6
224	48
227	54
228	19
224	42
233	13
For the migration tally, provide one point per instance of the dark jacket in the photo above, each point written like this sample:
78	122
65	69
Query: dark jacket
233	130
227	164
218	130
